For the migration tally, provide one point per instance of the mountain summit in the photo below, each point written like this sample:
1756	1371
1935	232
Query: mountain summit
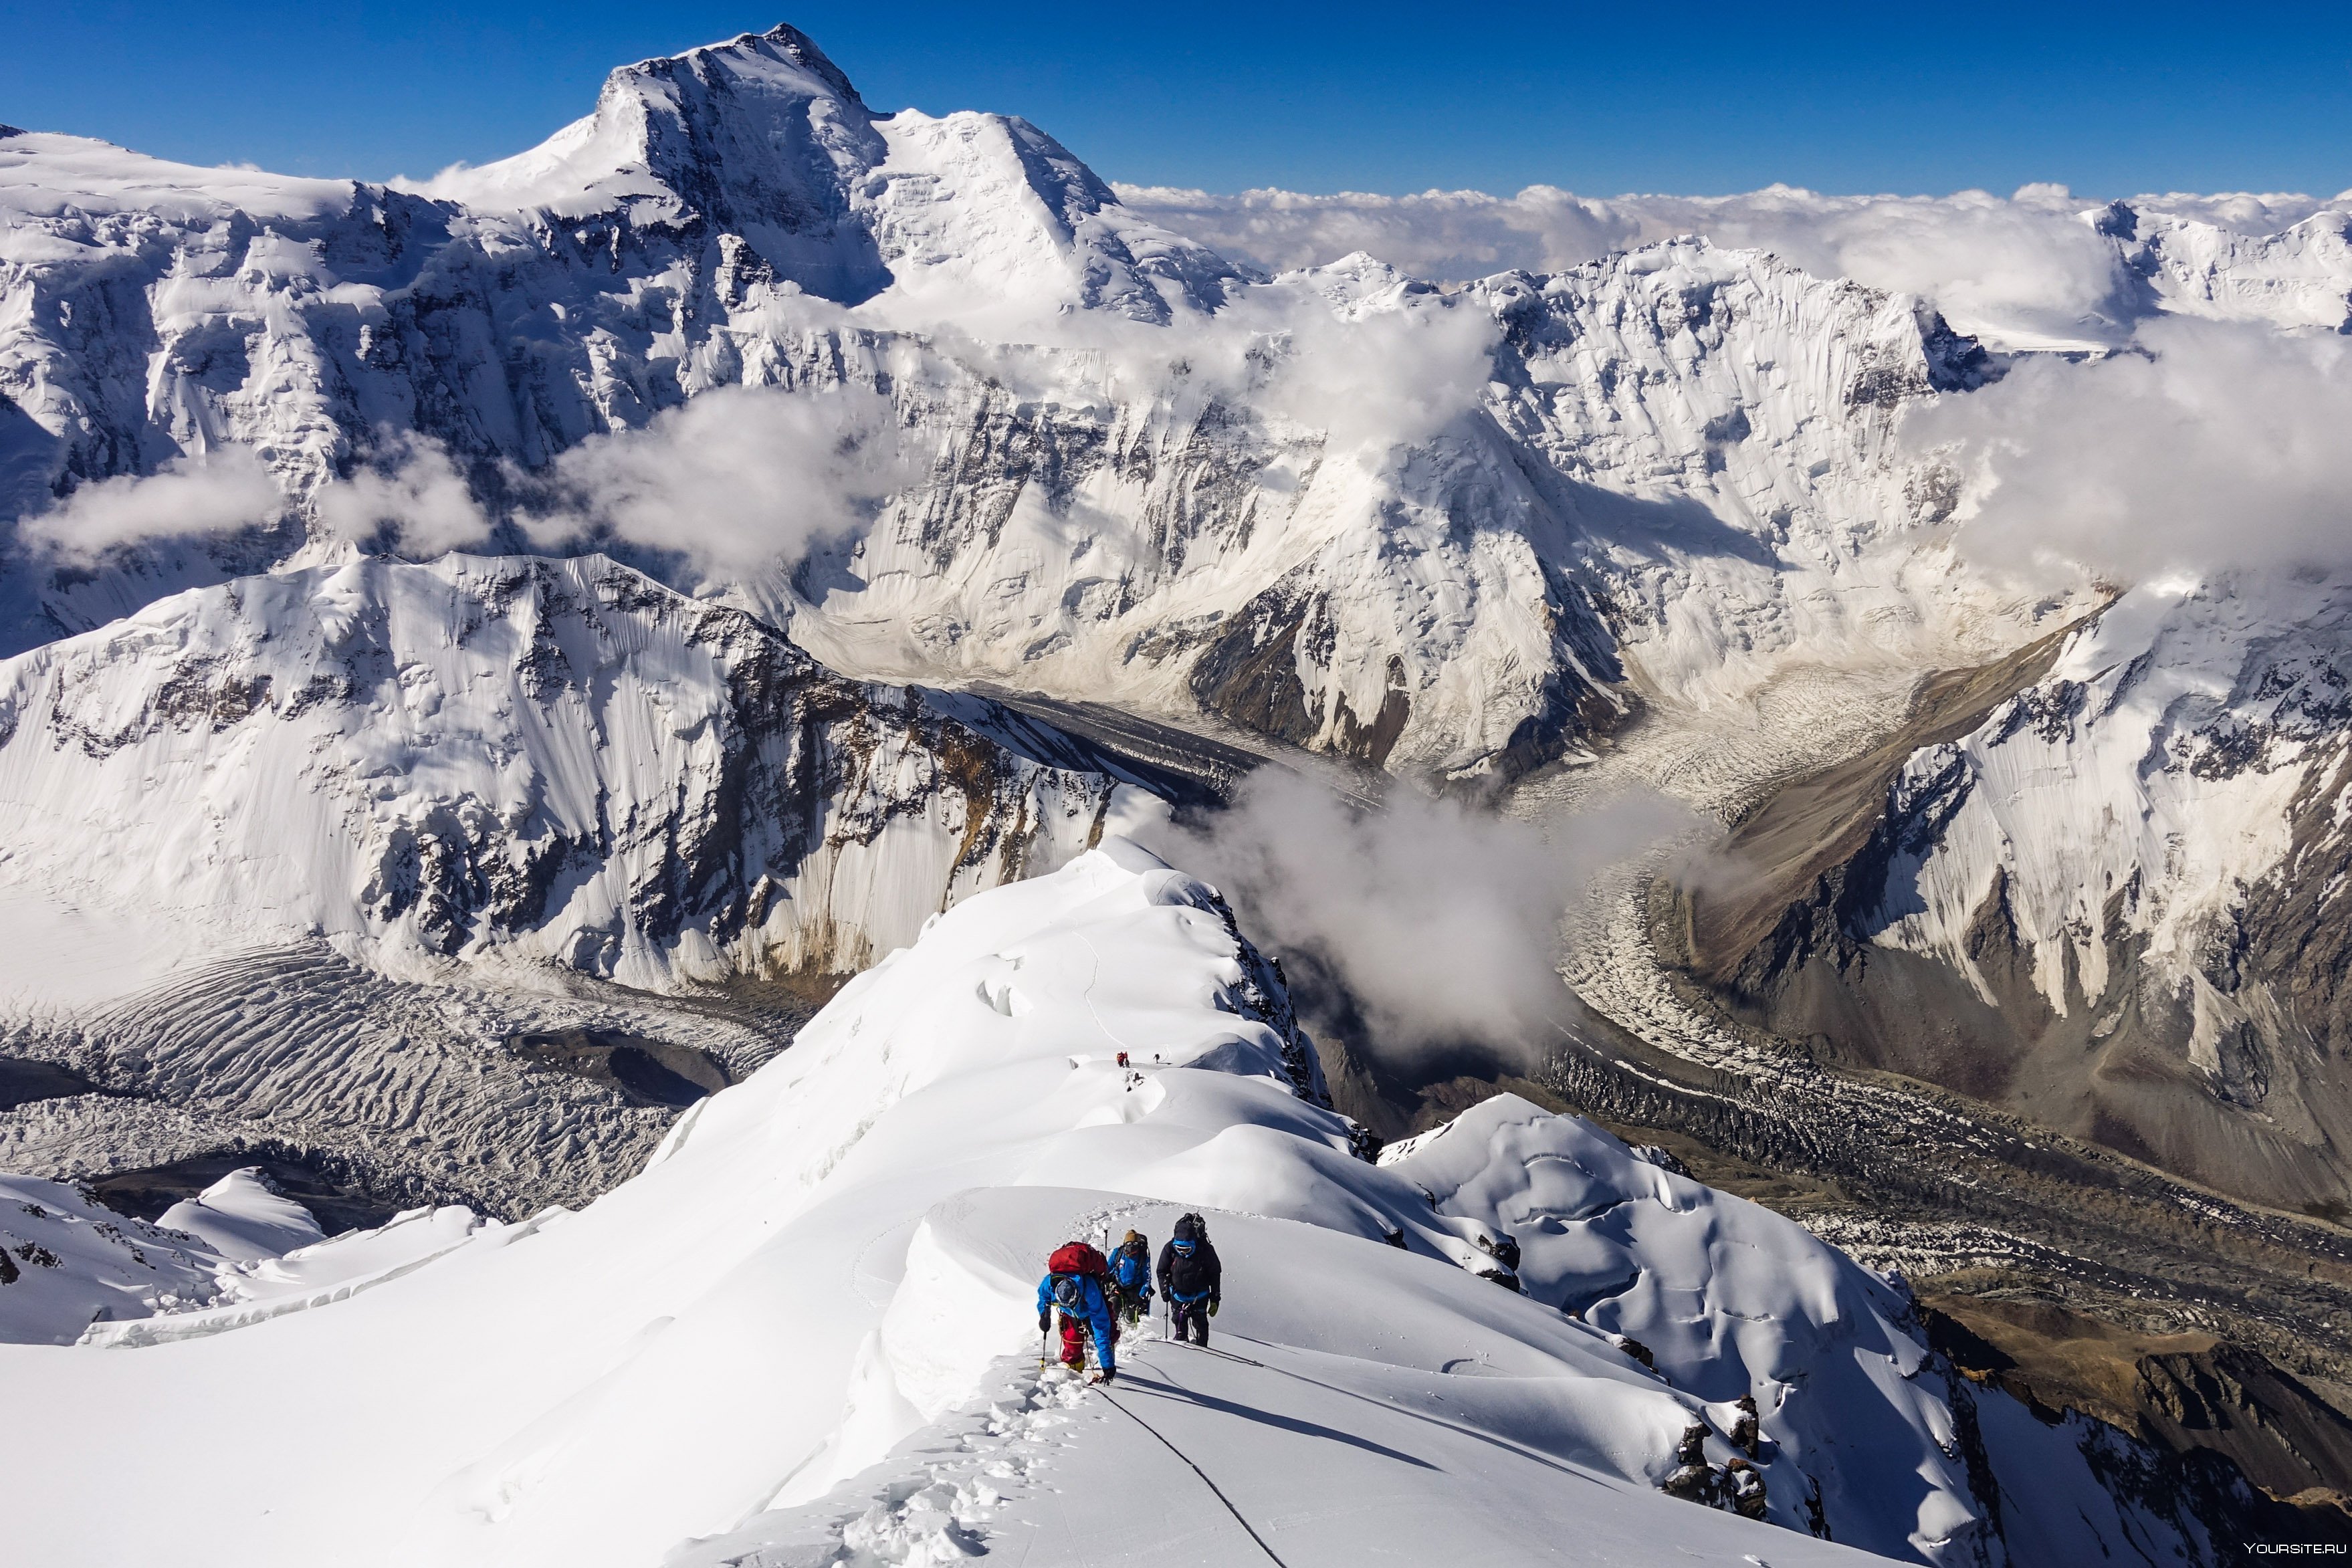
763	139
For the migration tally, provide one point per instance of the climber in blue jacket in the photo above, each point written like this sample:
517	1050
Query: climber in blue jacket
1074	1283
1130	1278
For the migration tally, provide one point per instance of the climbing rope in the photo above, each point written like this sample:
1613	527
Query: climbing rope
1197	1471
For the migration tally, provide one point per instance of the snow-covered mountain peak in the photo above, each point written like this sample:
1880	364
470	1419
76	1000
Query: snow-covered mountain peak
47	175
764	139
761	136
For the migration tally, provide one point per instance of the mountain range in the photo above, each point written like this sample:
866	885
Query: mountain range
490	655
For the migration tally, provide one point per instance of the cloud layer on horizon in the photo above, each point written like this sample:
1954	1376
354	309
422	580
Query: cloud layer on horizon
2028	266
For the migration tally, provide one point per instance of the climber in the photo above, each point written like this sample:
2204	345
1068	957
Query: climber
1130	1273
1075	1281
1192	1279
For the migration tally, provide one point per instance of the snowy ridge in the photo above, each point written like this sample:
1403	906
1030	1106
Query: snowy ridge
2299	278
2041	270
861	1222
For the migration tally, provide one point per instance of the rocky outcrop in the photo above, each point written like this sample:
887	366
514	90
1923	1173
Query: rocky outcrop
2251	1450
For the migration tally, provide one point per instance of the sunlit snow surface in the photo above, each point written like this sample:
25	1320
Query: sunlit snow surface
809	1320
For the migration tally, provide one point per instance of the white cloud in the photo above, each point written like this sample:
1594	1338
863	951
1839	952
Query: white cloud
414	493
1441	921
1380	378
2027	269
217	493
738	479
2218	446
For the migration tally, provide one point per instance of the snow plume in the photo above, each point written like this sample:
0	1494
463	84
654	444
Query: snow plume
1440	921
2220	447
735	480
2025	270
412	496
215	493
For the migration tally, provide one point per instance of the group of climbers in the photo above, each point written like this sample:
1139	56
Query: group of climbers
1096	1294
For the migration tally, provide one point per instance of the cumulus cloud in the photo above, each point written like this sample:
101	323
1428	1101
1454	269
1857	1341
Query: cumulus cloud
1440	921
413	493
216	493
1379	378
735	480
2217	447
741	479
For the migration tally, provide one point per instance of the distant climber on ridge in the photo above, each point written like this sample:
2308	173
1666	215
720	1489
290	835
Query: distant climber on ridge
1077	1281
1130	1272
1192	1279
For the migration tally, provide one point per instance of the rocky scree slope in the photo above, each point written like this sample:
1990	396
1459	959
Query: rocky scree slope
2107	905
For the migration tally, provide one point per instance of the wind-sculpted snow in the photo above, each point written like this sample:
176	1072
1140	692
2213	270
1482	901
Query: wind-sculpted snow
808	1323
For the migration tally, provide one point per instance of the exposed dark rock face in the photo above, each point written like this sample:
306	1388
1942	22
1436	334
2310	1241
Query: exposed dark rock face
2178	1392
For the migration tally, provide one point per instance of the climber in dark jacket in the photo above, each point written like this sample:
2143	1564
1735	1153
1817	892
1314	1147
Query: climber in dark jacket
1192	1279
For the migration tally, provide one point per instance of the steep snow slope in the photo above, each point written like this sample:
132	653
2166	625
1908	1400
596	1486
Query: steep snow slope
517	761
807	1323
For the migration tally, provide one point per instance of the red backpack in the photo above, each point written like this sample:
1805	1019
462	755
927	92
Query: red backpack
1077	1258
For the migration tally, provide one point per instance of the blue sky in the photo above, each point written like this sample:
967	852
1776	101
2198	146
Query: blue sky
1691	97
